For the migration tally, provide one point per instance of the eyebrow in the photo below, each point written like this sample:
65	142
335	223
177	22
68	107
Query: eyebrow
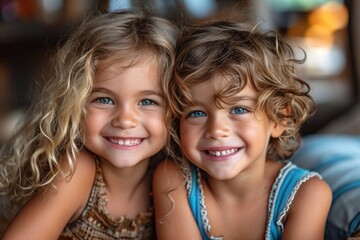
144	92
151	92
100	90
241	98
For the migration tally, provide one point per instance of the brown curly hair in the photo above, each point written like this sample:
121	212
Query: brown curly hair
242	55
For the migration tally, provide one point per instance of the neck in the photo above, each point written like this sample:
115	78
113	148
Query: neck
127	189
248	185
125	181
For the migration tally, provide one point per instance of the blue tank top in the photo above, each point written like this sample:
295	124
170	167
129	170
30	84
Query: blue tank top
283	191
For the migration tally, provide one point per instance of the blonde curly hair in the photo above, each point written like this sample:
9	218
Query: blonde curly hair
53	128
242	55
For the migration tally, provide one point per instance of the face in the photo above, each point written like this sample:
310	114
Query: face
124	122
225	141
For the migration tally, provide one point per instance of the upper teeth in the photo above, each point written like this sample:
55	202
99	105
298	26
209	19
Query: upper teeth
125	142
222	153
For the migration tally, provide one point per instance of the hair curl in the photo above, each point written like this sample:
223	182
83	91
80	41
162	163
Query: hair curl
243	55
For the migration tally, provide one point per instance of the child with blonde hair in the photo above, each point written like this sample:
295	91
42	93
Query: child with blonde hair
81	161
238	108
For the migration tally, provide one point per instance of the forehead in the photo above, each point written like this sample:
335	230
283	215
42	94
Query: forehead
220	85
119	64
218	92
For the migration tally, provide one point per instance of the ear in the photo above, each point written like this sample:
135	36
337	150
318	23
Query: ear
279	128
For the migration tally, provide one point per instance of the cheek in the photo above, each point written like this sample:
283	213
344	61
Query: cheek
90	123
255	135
251	133
156	125
95	122
94	119
188	136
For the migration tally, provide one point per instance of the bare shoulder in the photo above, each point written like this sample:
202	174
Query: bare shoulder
47	212
77	189
80	183
308	213
171	204
314	189
85	168
313	197
168	174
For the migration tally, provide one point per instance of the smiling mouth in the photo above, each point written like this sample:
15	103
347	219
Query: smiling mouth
125	142
223	152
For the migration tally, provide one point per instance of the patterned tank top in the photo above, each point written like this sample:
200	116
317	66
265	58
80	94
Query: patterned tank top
95	222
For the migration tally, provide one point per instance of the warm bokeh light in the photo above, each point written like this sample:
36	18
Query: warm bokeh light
324	21
331	16
318	35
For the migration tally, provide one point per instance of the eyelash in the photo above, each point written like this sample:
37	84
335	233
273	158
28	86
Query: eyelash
102	99
243	110
149	101
107	100
193	114
198	113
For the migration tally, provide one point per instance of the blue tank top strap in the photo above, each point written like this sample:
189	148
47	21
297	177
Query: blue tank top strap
282	195
195	199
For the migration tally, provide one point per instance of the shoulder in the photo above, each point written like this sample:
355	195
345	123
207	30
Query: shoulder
171	203
310	189
168	187
49	210
308	212
310	185
314	191
83	178
73	191
85	168
168	174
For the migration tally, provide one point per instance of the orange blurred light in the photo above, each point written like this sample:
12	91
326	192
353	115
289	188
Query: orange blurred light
332	15
317	35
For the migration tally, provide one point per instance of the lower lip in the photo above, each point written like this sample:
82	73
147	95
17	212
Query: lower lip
123	147
219	158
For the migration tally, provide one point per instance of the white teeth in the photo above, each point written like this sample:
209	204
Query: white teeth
223	153
125	142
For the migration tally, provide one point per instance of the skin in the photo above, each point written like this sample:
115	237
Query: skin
124	128
230	144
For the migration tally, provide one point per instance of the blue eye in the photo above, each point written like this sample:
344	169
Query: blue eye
197	114
239	110
104	100
147	102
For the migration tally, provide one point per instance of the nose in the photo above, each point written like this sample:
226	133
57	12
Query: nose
217	127
125	117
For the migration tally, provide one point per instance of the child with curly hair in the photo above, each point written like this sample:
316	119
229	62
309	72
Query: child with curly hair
80	164
238	106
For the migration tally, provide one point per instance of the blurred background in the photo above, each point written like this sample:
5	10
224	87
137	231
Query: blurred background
326	30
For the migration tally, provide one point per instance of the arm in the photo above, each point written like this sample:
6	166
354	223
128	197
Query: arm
307	215
173	215
47	212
